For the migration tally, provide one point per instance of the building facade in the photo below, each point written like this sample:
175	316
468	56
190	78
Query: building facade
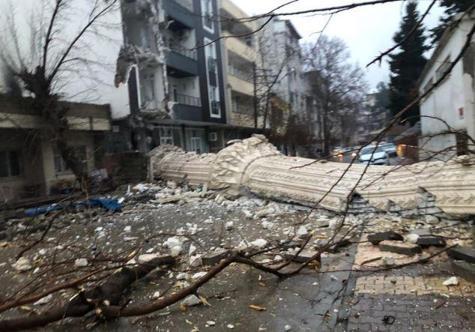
452	102
30	164
174	73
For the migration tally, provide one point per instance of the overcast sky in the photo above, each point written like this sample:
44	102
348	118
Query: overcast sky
367	30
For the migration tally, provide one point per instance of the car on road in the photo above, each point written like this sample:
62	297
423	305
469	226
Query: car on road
374	155
390	149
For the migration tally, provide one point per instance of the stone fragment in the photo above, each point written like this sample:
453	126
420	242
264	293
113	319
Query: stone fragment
215	257
464	269
229	225
210	323
196	261
412	238
44	300
175	251
156	295
23	264
81	262
198	275
259	243
192	250
145	258
304	256
191	300
287	328
402	248
302	231
452	281
376	238
431	240
463	253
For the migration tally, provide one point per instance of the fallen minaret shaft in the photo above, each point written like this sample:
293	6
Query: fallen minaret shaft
256	166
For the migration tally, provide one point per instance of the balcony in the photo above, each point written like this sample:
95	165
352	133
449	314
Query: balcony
241	74
186	100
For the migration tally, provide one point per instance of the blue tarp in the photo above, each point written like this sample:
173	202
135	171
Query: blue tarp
109	204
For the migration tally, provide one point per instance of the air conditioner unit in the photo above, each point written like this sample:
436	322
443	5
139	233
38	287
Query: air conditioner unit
213	137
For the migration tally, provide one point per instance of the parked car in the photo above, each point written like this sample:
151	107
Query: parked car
374	156
390	149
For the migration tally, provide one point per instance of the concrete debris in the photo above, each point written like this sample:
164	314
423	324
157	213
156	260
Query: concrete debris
44	300
210	323
462	253
156	295
452	281
464	269
191	301
402	248
431	240
198	275
145	258
259	243
229	225
302	231
376	238
215	257
287	328
81	262
23	264
191	250
196	261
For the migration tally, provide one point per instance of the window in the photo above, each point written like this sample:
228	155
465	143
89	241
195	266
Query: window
213	91
10	164
148	88
166	135
60	166
207	11
214	99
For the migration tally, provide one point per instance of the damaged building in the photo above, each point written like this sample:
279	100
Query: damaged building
174	75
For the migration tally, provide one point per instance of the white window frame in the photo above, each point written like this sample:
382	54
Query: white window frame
165	139
204	13
212	46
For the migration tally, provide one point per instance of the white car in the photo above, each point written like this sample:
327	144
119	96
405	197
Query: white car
374	156
390	149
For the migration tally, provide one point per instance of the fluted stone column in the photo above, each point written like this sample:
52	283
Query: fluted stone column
257	166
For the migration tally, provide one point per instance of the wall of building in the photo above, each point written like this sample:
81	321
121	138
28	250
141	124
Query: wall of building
453	100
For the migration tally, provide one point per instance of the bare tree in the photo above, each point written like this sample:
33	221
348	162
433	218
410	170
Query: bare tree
42	63
338	87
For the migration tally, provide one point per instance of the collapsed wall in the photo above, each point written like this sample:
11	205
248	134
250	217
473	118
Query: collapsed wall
256	166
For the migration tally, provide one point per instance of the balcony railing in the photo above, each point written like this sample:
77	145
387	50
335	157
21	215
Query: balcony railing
186	100
180	49
241	74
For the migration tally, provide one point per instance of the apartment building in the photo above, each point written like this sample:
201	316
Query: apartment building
241	61
176	79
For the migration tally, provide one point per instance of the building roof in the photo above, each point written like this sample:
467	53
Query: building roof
292	29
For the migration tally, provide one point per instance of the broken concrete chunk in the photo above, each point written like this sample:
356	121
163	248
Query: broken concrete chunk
303	257
302	231
81	262
44	300
196	261
175	251
215	257
145	258
452	281
191	300
23	264
464	269
198	275
376	238
431	240
259	243
402	248
412	238
229	225
463	253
